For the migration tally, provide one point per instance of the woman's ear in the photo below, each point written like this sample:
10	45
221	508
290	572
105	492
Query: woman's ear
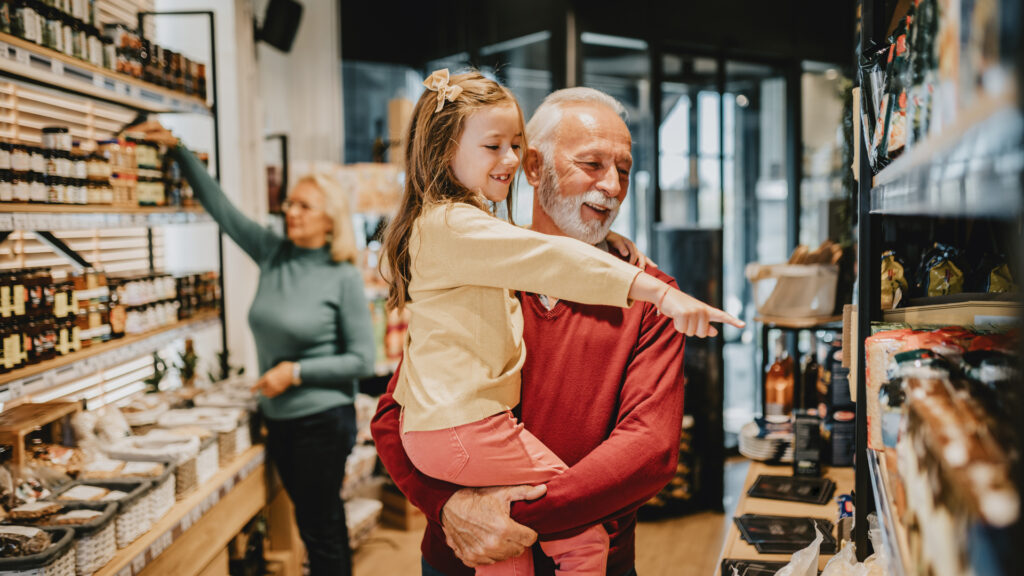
533	164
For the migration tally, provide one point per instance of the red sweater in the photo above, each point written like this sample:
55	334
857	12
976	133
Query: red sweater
603	388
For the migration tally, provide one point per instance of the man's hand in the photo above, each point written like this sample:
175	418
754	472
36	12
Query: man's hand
628	250
478	527
275	381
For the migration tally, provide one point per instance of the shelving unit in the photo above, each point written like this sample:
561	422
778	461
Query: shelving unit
51	217
45	375
38	64
971	173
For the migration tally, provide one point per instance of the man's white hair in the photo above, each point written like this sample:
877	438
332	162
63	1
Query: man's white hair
540	132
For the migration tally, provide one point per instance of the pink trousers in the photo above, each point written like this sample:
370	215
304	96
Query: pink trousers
499	451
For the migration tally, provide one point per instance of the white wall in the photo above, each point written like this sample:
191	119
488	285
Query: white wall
302	89
241	133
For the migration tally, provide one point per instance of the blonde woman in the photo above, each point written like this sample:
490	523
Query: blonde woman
313	338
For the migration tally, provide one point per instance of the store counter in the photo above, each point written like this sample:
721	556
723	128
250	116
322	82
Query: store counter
736	547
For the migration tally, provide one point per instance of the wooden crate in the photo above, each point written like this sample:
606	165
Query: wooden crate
399	513
21	420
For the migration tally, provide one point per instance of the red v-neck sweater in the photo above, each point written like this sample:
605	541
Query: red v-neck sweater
603	388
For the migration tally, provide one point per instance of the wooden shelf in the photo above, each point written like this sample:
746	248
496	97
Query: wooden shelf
971	314
23	59
19	421
20	375
199	527
799	323
970	170
736	547
21	216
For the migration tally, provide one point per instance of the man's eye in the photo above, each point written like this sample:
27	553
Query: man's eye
623	172
594	165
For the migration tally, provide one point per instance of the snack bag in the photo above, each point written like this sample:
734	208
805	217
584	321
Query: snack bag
894	281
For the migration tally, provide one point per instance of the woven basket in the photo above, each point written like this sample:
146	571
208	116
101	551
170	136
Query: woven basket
186	478
208	461
161	498
95	542
133	517
57	560
231	444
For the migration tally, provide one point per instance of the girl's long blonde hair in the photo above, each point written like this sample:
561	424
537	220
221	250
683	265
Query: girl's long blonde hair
338	209
433	137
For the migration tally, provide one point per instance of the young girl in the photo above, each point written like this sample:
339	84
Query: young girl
455	266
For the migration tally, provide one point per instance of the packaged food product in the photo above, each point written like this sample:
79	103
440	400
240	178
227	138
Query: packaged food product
881	350
34	510
940	273
894	281
22	541
992	275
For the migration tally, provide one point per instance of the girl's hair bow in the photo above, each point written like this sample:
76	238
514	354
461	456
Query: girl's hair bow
438	82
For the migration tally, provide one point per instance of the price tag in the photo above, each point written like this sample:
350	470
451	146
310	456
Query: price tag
7	222
21	56
16	389
98	81
57	66
19	222
5	50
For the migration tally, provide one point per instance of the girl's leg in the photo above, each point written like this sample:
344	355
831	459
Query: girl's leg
498	451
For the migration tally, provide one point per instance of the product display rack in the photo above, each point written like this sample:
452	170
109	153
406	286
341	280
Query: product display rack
794	326
25	61
973	170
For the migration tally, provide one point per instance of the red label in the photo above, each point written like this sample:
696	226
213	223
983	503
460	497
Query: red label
903	99
901	44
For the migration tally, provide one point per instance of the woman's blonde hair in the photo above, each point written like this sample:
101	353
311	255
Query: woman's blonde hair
337	207
433	137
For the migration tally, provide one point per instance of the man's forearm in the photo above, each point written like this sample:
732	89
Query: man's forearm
426	493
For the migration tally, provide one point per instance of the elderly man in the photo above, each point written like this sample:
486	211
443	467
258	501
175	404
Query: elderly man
602	386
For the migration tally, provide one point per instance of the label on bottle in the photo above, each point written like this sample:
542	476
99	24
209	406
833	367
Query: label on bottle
18	298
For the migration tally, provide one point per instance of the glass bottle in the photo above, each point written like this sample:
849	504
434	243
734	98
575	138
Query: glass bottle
779	385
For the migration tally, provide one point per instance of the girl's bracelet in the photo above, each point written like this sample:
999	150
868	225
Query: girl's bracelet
661	298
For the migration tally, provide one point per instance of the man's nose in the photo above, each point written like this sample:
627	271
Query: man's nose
608	183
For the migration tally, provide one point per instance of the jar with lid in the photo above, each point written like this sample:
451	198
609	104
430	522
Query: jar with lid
6	186
83	191
80	165
37	162
80	35
57	138
25	21
21	160
5	16
38	191
5	155
21	188
109	54
53	33
67	25
55	190
13	342
95	47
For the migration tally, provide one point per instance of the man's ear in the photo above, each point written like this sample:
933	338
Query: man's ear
533	164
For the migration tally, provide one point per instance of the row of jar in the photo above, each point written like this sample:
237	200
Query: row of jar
31	341
36	292
26	159
40	189
37	22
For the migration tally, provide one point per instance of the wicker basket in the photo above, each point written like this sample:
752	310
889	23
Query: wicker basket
208	461
231	444
57	560
133	516
95	541
361	515
186	478
163	495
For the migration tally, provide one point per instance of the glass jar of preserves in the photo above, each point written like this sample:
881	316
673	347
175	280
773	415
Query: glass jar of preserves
36	160
25	21
52	29
6	186
20	187
5	155
39	192
57	138
21	160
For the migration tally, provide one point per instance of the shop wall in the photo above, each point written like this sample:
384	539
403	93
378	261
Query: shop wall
241	134
302	89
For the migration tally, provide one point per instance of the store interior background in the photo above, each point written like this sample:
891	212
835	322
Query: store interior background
733	128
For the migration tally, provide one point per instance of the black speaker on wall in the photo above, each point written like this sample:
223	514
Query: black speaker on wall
281	23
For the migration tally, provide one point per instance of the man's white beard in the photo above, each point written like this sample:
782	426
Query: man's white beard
565	210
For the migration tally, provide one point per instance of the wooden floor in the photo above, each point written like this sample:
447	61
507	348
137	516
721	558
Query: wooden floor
687	546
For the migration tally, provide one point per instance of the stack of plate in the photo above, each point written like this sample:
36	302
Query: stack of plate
768	442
